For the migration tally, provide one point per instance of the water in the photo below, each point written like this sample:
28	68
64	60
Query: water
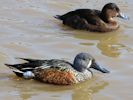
28	29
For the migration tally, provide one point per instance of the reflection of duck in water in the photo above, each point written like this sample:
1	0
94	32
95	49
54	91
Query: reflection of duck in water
58	71
108	44
87	91
83	91
93	20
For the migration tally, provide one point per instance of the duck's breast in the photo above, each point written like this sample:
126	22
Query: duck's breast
82	76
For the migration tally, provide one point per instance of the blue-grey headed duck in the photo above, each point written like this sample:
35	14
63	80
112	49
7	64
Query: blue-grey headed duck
56	71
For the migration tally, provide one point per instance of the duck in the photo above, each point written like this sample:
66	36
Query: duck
92	19
56	71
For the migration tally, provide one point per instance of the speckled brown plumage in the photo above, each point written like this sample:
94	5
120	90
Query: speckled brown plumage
55	76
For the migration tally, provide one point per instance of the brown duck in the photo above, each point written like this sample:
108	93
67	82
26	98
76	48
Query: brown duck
93	20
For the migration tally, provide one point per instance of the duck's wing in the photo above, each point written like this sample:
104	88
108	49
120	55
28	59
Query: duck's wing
78	12
33	64
85	12
33	60
65	16
19	69
92	16
76	22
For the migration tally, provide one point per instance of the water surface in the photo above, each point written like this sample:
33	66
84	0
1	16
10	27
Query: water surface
28	29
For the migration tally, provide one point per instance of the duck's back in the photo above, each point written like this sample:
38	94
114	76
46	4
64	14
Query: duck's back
83	13
88	12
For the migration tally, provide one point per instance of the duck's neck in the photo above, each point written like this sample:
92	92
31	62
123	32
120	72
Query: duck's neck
111	24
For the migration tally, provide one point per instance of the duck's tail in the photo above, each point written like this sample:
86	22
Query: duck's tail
15	69
25	69
58	17
22	70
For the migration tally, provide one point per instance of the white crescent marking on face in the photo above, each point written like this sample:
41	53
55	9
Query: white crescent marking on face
89	64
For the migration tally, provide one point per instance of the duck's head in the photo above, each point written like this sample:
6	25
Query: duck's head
111	10
84	61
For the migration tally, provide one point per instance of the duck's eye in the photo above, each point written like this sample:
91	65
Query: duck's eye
114	9
83	58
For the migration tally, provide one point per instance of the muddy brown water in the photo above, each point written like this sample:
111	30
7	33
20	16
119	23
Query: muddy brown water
28	29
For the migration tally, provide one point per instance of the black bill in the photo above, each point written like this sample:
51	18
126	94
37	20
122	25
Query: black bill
97	67
121	15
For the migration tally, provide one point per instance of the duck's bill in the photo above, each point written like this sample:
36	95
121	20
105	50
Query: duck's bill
98	68
121	15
